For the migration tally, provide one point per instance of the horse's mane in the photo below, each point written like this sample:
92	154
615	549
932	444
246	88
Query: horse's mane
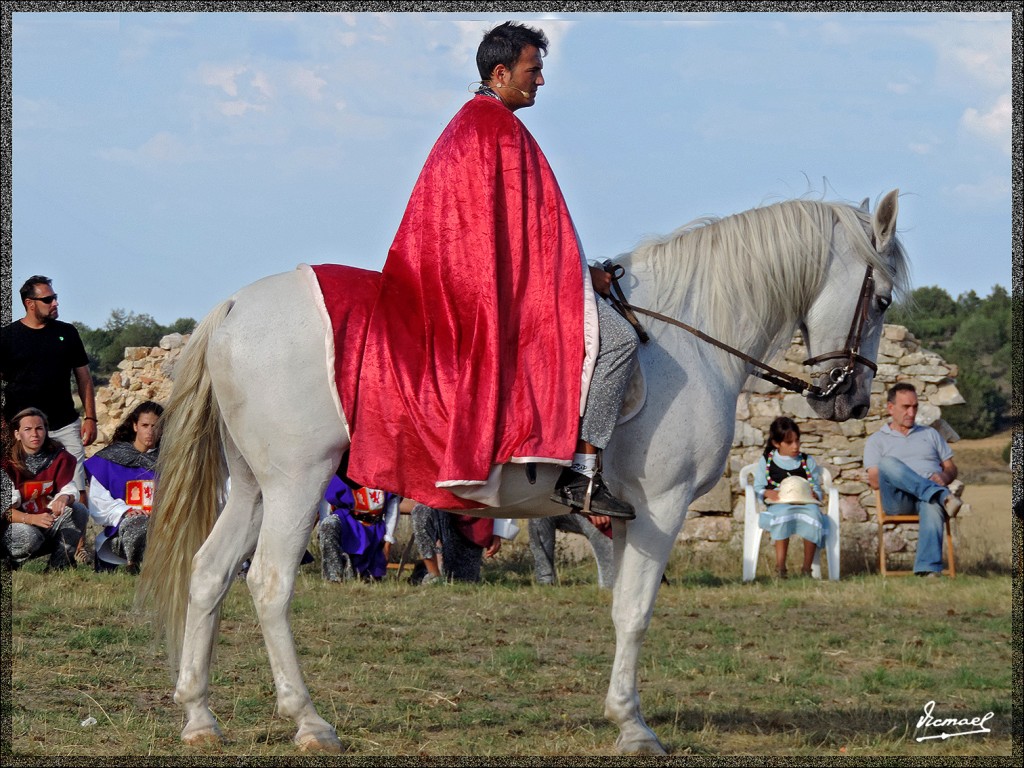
755	264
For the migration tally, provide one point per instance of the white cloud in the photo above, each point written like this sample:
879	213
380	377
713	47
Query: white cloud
262	84
307	83
987	192
989	63
972	50
238	108
925	142
221	76
463	50
162	149
142	41
29	115
837	33
994	125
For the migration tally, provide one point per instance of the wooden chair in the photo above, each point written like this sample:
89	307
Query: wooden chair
895	520
752	531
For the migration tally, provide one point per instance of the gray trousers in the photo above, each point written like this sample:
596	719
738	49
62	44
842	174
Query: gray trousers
130	541
435	535
616	359
542	546
22	542
335	565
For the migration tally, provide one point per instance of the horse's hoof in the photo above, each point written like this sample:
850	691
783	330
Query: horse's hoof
640	746
328	743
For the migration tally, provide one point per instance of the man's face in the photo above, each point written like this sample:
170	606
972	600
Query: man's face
41	307
518	86
903	410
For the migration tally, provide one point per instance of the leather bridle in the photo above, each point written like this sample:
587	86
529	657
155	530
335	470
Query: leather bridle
836	376
851	353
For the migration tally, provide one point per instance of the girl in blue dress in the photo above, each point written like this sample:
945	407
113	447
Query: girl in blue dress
796	514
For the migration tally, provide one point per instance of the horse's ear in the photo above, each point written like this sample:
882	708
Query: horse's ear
884	221
864	204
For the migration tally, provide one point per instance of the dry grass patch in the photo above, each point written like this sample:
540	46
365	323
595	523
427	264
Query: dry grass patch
506	668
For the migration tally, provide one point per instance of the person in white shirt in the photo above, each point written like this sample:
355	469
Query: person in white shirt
121	487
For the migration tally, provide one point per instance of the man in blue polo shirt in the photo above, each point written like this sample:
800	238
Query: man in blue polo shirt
913	467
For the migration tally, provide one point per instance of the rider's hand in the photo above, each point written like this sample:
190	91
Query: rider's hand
602	281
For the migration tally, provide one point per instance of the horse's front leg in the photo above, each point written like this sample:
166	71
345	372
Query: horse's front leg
641	553
271	581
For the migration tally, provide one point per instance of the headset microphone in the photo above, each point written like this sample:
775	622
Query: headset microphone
526	95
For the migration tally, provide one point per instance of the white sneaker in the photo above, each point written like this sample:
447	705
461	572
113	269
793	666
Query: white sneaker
956	488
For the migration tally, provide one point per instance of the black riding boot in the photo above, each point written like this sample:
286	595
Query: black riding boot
572	488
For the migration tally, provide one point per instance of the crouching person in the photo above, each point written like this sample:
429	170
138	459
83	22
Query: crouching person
357	529
121	486
45	517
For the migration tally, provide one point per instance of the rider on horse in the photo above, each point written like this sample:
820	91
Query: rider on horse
487	341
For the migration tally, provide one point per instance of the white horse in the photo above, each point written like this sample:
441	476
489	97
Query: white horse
252	399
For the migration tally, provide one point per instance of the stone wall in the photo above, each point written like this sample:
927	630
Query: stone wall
716	519
144	374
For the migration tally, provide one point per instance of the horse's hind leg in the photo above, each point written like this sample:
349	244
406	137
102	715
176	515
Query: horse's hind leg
213	569
289	517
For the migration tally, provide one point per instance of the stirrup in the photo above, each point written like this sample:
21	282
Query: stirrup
587	495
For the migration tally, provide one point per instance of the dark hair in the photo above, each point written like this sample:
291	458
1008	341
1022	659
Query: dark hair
899	386
504	44
125	432
28	288
777	432
16	455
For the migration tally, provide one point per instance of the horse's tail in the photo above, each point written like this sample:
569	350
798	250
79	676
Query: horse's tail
191	480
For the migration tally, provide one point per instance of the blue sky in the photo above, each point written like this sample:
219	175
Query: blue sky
162	160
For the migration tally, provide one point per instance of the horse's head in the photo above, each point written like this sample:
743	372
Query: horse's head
843	327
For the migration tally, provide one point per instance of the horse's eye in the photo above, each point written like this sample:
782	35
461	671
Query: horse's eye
883	303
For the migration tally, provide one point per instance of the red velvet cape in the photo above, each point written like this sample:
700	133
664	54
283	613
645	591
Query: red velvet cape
475	347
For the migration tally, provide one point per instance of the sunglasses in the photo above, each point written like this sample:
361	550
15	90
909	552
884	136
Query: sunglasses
45	299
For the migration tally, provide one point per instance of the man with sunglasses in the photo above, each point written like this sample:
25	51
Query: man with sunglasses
38	356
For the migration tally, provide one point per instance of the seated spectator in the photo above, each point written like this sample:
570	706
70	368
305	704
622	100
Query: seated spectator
121	478
789	515
912	467
597	529
357	529
453	546
45	516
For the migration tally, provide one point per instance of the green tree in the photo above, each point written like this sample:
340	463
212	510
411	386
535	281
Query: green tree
930	313
105	346
976	335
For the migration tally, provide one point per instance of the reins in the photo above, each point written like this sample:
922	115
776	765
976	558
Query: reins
780	378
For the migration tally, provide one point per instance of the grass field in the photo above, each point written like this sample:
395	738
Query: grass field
792	668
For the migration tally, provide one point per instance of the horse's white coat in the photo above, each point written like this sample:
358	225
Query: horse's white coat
284	439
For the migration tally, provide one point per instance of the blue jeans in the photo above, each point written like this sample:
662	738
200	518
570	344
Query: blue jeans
904	492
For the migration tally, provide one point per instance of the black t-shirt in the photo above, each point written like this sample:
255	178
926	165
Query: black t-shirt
36	367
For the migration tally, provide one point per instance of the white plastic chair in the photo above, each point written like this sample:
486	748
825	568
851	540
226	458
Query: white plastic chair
752	531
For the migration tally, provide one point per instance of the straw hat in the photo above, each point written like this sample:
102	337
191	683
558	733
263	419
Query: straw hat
795	490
